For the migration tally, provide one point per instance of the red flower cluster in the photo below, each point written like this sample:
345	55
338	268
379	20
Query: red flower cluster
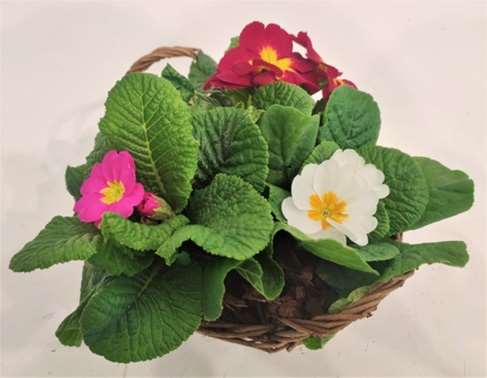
265	54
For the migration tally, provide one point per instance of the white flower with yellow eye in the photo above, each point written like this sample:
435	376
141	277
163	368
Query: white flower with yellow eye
336	199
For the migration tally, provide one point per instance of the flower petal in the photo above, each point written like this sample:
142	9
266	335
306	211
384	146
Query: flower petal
356	228
302	187
327	177
331	233
90	208
299	218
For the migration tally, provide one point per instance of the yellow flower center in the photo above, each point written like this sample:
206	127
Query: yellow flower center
113	192
269	55
327	207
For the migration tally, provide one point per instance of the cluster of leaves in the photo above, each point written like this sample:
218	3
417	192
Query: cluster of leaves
224	161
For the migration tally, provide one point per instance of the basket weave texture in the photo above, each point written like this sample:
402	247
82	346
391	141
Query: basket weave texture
273	331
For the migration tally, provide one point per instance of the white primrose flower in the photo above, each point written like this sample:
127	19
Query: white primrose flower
336	199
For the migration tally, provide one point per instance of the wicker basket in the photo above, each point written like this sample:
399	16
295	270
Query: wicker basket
267	328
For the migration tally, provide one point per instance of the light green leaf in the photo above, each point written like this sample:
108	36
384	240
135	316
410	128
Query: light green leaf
276	196
291	136
231	143
181	83
378	251
74	177
63	239
146	116
201	70
450	192
234	41
230	219
284	94
321	152
69	331
407	201
451	253
264	274
352	117
139	236
214	274
328	249
117	259
383	227
316	342
141	318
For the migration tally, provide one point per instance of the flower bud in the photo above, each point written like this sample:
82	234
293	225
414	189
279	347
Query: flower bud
154	207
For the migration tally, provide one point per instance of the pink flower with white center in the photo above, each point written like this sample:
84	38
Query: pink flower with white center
111	187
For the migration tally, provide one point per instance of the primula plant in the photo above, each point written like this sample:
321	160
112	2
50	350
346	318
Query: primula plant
235	183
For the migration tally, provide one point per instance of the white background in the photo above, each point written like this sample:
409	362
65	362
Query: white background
424	62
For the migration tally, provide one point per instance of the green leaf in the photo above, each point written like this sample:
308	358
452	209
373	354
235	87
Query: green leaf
234	41
75	176
146	116
284	94
117	259
383	226
450	192
328	249
141	318
291	136
230	219
231	143
181	83
342	279
264	274
407	201
69	331
321	152
378	251
451	253
276	196
139	236
316	342
63	239
201	70
214	274
352	118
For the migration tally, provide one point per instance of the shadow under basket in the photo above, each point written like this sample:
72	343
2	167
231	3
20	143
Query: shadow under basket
271	326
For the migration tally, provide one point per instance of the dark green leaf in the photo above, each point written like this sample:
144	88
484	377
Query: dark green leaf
181	83
201	70
284	94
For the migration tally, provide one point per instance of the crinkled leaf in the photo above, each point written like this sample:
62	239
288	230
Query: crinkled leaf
181	83
144	317
201	70
378	251
285	94
101	147
450	191
264	274
230	219
214	274
117	259
75	176
328	249
352	118
276	196
291	136
383	227
146	116
139	236
69	331
407	201
63	239
231	143
321	152
451	253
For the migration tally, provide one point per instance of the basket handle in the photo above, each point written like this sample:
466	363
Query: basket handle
162	53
